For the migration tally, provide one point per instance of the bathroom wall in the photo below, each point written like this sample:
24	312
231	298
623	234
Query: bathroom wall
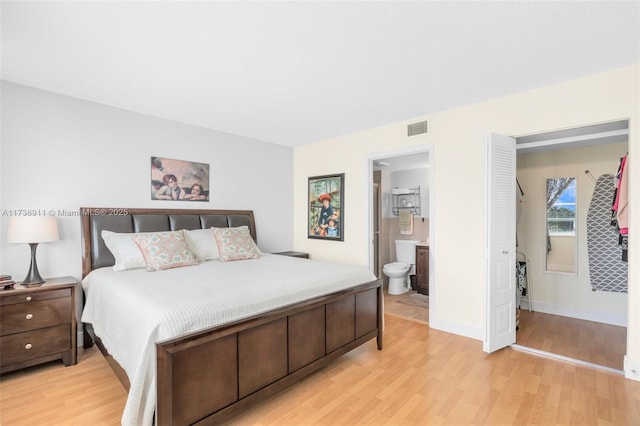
390	229
420	233
405	179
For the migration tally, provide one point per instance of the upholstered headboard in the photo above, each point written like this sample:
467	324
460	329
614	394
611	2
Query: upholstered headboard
95	253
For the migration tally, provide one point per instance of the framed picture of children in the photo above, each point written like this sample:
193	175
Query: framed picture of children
179	180
326	207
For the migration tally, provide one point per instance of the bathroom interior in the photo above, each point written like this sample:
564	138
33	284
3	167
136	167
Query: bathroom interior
401	226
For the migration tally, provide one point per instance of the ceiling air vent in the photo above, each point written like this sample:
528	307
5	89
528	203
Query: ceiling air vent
417	128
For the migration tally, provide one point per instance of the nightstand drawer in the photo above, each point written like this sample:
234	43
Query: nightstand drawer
21	317
34	344
35	296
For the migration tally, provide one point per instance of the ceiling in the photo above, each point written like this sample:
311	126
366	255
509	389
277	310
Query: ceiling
294	73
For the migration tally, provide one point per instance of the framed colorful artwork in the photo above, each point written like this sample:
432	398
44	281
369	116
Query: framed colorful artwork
179	180
326	207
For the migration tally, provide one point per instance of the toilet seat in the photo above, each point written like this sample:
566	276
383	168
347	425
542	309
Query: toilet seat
396	266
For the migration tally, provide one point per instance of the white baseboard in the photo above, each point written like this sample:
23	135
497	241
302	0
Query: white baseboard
549	308
457	328
631	369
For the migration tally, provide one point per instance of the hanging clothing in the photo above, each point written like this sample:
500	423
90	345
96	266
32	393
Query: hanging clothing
622	201
620	207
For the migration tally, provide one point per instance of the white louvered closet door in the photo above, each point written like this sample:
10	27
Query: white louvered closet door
500	327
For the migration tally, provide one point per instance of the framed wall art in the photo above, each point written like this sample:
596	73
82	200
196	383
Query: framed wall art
326	207
179	180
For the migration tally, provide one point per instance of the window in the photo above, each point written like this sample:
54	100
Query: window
561	211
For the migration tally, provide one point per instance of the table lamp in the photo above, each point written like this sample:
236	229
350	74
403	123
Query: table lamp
32	230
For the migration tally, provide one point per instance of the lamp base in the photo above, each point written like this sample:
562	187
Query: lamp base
33	277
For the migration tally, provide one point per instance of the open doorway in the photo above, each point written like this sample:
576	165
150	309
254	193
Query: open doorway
568	318
400	188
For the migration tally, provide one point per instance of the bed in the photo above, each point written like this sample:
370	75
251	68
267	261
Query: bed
201	343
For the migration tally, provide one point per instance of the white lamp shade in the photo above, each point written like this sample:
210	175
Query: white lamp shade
32	229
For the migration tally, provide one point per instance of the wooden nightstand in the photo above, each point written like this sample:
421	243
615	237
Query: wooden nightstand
38	324
300	254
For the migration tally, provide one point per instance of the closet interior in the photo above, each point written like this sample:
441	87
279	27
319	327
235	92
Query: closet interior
572	265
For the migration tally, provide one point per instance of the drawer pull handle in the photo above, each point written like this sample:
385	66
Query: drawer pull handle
29	316
28	298
28	346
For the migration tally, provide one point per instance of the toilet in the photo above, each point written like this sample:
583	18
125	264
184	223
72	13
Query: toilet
399	271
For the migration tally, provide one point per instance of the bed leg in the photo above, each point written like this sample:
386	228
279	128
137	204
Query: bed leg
87	341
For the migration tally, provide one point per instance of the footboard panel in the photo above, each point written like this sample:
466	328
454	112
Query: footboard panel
262	356
211	366
210	376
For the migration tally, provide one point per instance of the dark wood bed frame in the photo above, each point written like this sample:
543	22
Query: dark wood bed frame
209	376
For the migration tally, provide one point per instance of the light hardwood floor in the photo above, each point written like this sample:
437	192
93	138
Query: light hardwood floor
393	306
594	342
421	377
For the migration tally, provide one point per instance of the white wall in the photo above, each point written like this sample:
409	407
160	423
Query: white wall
557	293
60	153
458	161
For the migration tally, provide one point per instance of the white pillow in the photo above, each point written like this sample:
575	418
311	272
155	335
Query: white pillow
202	243
124	250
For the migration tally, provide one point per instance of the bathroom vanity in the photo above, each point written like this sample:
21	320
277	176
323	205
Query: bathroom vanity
422	269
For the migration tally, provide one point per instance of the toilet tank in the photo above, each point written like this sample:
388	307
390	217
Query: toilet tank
406	251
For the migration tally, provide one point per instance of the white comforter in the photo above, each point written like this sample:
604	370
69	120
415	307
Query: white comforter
132	310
